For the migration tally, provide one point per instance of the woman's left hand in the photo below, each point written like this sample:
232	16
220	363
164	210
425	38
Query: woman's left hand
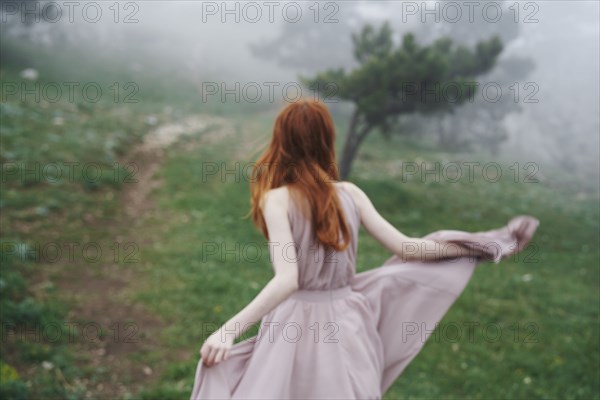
216	348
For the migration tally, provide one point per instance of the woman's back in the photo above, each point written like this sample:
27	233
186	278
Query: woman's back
321	268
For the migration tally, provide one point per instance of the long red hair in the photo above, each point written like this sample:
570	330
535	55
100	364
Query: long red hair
301	155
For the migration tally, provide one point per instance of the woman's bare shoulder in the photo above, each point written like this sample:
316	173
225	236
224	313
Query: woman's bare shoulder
357	194
280	197
277	198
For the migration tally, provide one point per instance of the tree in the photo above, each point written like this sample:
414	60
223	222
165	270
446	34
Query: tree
391	81
480	124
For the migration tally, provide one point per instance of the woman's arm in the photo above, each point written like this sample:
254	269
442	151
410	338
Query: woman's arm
275	207
405	247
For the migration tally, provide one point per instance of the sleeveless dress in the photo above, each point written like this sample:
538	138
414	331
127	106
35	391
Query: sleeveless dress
347	335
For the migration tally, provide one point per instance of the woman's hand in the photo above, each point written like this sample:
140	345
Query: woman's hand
216	348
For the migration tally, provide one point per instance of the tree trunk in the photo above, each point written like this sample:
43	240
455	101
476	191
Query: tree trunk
353	141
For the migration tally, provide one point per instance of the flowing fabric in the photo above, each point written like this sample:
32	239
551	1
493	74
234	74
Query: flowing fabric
348	335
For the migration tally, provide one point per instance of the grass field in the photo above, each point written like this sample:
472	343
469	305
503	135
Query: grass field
546	307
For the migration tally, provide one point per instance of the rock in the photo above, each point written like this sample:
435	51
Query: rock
30	74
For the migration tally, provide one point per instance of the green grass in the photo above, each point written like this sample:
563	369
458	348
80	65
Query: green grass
53	203
553	355
195	291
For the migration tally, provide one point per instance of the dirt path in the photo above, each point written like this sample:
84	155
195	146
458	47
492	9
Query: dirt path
121	366
149	156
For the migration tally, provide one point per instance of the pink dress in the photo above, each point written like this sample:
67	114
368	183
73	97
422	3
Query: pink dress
345	335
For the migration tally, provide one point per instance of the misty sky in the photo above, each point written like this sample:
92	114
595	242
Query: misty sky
561	37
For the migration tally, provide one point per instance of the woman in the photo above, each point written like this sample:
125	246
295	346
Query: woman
327	332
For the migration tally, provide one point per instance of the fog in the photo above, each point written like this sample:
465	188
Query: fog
125	210
200	41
